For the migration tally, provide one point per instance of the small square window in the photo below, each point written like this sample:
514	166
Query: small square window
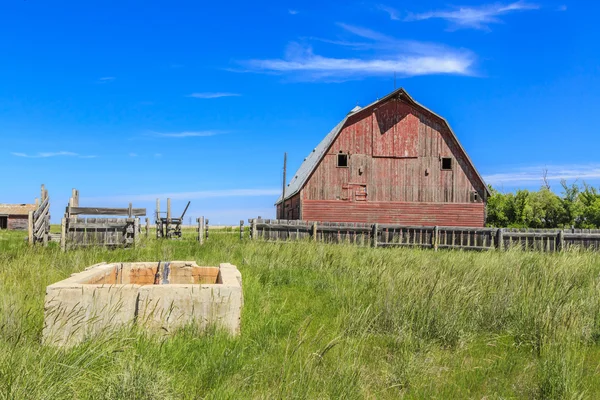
342	160
446	163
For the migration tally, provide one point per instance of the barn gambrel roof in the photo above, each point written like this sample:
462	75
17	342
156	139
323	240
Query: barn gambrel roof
314	158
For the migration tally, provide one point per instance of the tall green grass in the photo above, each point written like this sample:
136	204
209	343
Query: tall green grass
323	321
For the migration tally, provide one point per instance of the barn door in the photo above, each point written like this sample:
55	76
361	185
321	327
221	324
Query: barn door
3	222
358	177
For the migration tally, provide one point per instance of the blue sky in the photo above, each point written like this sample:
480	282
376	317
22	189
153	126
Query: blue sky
129	101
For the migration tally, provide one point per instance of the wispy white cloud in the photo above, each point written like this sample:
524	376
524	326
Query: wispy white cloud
51	154
292	12
414	59
133	155
392	12
186	134
212	95
474	17
106	79
534	174
562	8
205	194
157	155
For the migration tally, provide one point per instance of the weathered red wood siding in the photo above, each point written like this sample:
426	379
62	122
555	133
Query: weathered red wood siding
395	153
17	222
403	213
292	208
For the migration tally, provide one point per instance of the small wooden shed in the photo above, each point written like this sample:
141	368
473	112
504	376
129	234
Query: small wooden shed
14	216
392	161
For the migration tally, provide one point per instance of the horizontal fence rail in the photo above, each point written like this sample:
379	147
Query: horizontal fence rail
435	237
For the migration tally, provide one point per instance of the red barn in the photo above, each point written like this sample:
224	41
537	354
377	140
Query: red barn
393	161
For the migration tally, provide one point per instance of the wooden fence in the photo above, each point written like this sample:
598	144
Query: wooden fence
79	231
202	229
39	220
436	237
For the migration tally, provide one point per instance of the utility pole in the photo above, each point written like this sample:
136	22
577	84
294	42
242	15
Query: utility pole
282	216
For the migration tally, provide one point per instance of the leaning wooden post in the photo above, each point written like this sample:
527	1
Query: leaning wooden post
30	228
435	238
63	234
374	238
560	240
241	229
500	239
253	230
314	231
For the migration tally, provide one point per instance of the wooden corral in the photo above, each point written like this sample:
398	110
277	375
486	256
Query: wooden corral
39	220
168	227
435	237
393	161
77	231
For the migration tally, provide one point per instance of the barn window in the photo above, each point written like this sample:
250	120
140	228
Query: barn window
446	163
474	197
342	160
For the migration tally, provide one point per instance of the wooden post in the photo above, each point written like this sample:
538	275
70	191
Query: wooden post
200	229
435	238
46	229
500	239
253	230
63	234
168	227
314	231
74	198
374	238
30	228
157	218
136	229
282	214
241	229
147	227
560	240
206	228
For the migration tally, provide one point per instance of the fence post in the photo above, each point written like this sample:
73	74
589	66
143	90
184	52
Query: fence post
63	234
147	227
241	229
253	230
206	228
30	228
560	240
435	237
201	230
374	238
500	239
136	229
314	231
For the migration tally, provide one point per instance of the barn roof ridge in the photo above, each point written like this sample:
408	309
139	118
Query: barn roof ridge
314	158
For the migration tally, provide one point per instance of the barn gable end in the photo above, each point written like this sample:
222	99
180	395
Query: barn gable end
392	161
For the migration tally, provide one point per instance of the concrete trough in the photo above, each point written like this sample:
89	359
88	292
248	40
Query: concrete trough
158	298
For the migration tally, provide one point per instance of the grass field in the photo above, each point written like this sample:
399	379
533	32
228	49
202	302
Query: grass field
324	321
